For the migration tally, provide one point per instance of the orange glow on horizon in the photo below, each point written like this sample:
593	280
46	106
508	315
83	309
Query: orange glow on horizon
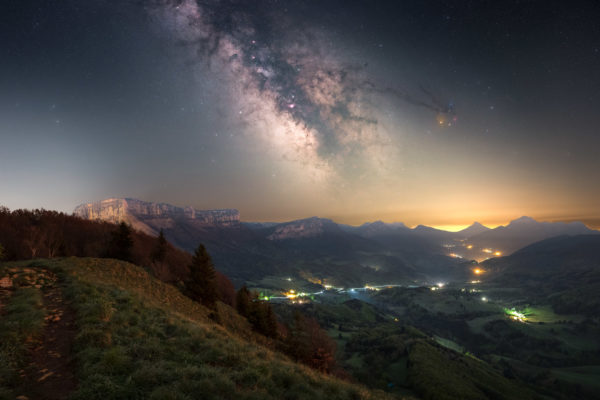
450	228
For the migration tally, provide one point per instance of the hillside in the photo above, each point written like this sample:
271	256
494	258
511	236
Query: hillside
566	269
551	256
104	329
137	337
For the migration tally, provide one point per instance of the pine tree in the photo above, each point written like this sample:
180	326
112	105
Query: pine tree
272	329
202	285
160	251
255	312
242	301
121	243
297	341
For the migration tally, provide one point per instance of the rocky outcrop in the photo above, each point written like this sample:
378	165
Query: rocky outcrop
151	217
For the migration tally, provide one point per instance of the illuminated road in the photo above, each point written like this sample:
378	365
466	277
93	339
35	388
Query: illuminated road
353	292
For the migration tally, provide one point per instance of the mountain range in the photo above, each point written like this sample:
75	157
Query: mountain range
320	249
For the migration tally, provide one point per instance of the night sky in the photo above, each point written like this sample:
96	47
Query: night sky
433	112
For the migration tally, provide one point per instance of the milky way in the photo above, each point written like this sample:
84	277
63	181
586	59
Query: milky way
287	84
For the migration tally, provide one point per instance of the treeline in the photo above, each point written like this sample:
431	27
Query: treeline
259	313
303	339
28	234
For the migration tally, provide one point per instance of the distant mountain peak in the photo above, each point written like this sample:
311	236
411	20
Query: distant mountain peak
378	228
303	228
523	220
374	223
425	228
474	229
380	223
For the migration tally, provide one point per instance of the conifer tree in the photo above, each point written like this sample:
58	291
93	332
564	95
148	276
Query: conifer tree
121	243
272	330
160	251
297	341
255	312
202	284
259	313
242	301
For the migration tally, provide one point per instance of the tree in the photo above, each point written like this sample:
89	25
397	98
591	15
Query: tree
308	343
34	240
54	241
202	284
297	340
121	243
271	326
259	313
160	250
242	301
1	252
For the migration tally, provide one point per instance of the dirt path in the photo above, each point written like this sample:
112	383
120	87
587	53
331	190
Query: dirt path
50	373
4	296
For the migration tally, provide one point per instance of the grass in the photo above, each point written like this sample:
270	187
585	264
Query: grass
449	344
22	321
585	376
139	338
444	375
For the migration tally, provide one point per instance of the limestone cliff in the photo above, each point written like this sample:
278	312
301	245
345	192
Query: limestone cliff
151	217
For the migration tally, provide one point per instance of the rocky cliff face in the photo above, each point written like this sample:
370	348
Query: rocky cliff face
151	217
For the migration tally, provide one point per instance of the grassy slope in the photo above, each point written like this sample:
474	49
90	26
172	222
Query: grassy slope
405	358
22	321
445	375
140	338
